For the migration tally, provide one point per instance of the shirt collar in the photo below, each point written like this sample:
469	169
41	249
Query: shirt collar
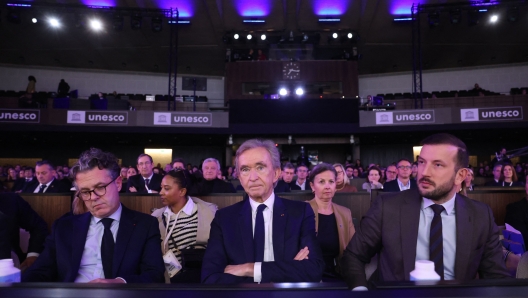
149	177
403	185
187	209
448	206
269	203
116	216
48	184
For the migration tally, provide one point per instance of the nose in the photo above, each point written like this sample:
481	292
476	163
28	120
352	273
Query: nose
253	175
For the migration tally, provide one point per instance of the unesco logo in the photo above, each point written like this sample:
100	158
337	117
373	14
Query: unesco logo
20	116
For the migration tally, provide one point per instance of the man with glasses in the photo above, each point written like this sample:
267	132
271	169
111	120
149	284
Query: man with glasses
403	181
391	173
497	169
302	182
146	181
108	244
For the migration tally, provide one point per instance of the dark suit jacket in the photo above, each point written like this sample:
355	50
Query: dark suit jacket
20	183
517	217
390	229
392	186
139	183
55	187
204	187
294	186
17	214
231	243
137	252
282	186
493	183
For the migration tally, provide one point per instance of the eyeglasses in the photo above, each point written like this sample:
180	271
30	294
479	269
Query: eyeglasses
86	195
404	167
391	172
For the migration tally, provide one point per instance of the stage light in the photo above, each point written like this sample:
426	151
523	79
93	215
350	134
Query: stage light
34	20
135	21
305	38
236	36
156	24
350	35
249	37
96	24
53	22
283	92
118	22
494	18
299	91
335	35
263	37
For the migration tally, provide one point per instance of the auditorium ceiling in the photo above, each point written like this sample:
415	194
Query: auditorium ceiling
383	45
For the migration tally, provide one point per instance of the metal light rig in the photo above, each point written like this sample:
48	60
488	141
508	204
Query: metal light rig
173	57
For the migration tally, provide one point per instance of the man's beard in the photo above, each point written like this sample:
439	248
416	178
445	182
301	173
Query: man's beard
439	192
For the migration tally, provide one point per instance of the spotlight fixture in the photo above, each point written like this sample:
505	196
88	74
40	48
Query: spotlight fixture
135	21
249	37
494	18
118	22
283	91
156	23
455	16
34	20
96	25
335	35
53	22
299	91
230	140
236	36
350	35
263	37
305	38
254	21
329	20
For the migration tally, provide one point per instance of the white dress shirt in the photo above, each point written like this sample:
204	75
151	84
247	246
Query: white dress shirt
268	233
302	186
91	266
448	234
404	186
45	188
150	180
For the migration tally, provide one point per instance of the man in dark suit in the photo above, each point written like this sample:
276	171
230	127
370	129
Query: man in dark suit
517	215
302	182
497	169
146	181
284	184
20	183
264	238
431	223
403	180
15	213
46	182
210	182
108	244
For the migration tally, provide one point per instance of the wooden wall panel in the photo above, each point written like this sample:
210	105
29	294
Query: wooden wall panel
49	206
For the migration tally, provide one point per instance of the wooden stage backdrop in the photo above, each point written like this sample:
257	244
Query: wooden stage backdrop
52	206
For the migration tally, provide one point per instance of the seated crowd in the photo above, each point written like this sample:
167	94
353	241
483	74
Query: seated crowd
263	238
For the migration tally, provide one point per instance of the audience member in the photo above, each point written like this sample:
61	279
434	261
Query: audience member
391	172
414	170
516	215
131	172
64	89
284	184
373	179
467	184
355	173
497	170
501	158
397	226
403	180
508	177
123	173
349	170
16	214
31	86
342	182
238	250
261	56
20	183
333	223
146	181
301	183
12	175
184	225
46	182
178	163
210	182
109	244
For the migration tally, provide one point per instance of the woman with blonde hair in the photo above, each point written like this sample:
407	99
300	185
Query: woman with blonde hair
342	181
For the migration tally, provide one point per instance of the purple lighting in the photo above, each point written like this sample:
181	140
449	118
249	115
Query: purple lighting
99	3
252	8
185	7
402	7
330	7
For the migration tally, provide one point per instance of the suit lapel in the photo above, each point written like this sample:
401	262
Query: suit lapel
79	233
280	218
463	237
127	224
245	228
410	218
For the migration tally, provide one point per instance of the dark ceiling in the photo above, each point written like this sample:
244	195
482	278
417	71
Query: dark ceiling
384	46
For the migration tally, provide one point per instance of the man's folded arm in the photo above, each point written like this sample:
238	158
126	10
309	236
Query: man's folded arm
45	267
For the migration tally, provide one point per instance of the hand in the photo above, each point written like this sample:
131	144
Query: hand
302	254
240	270
132	189
153	191
107	281
27	263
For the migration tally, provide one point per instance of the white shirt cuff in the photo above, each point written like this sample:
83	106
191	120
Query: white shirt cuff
121	279
149	191
257	272
32	254
360	288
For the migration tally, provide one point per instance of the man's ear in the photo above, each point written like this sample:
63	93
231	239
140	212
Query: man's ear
460	176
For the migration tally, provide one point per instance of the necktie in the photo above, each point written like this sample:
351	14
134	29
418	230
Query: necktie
258	237
146	183
42	187
107	248
436	250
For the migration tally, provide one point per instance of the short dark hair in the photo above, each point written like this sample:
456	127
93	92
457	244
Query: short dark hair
375	169
403	159
143	154
96	158
181	178
301	165
178	159
45	162
349	166
29	169
322	167
462	157
288	165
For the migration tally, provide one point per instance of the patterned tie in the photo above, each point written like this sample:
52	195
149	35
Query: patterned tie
107	247
436	241
258	237
42	187
146	183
